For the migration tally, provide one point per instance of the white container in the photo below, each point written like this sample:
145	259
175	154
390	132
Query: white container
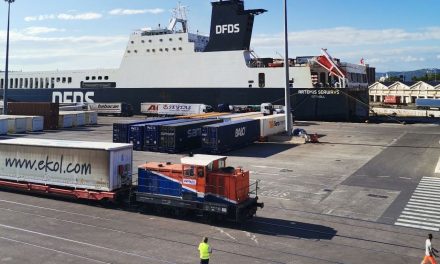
174	109
91	117
79	117
3	126
34	123
272	124
240	116
65	120
15	124
106	108
97	166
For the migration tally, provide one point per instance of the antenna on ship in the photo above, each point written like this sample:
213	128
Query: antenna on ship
179	16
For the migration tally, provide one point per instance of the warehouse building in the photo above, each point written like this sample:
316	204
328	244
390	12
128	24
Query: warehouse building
407	91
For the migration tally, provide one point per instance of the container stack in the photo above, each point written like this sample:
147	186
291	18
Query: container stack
16	124
121	130
179	137
223	137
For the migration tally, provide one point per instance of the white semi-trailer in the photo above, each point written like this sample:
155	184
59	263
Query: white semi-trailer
174	109
69	167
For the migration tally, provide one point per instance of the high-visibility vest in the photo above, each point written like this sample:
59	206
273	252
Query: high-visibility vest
204	250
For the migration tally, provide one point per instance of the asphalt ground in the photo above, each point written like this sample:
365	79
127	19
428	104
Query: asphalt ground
332	202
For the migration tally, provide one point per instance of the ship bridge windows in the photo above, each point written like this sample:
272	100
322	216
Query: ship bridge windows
16	83
1	83
106	78
143	41
132	42
99	78
93	78
58	79
31	83
69	79
64	80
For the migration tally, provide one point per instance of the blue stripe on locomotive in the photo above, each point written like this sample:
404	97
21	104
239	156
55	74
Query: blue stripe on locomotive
155	183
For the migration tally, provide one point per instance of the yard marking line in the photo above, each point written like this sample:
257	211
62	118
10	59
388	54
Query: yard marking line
429	184
55	210
437	168
423	210
428	220
427	189
427	177
417	226
82	243
426	196
424	201
51	249
405	212
427	192
435	207
418	222
435	181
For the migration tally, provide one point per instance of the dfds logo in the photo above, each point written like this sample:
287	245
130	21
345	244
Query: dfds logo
227	28
73	97
240	132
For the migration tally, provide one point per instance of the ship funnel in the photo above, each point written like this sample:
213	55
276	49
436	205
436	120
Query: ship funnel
231	26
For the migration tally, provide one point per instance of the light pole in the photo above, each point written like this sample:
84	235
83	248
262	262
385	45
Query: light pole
5	88
286	67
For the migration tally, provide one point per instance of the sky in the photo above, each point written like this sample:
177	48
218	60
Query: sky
90	34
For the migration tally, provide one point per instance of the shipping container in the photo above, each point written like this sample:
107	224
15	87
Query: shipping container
202	116
91	117
240	116
137	136
96	166
121	130
119	109
183	136
152	133
392	99
271	125
4	126
16	124
223	137
49	111
79	117
34	123
65	120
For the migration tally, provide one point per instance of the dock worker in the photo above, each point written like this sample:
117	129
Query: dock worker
429	251
205	251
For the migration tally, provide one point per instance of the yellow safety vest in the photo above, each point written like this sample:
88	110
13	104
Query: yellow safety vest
204	250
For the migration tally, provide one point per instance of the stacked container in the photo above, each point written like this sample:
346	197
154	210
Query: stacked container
16	124
49	111
223	137
3	126
34	123
240	116
183	136
91	117
65	120
121	130
271	125
152	133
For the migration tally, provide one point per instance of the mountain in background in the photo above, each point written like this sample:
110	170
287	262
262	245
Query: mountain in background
408	76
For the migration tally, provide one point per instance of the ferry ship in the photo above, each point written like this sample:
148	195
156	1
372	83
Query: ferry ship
174	65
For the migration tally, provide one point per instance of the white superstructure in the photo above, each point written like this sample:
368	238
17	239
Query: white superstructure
175	58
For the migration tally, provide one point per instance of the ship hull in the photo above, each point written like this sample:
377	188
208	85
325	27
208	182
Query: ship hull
323	104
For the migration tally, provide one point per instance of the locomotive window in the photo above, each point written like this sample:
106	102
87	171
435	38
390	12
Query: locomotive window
200	172
188	171
221	164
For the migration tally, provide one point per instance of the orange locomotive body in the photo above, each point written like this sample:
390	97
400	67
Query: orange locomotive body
200	183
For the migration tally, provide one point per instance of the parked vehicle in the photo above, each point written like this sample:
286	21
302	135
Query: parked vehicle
427	103
118	109
174	109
